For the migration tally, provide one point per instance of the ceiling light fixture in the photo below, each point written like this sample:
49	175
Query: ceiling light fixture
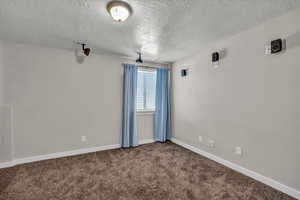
119	10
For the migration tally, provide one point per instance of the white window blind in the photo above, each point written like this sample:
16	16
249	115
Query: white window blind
146	86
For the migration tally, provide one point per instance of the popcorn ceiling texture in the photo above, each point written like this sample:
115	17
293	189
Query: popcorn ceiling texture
149	172
164	30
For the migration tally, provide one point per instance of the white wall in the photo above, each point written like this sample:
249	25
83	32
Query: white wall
4	155
252	100
145	125
1	74
56	100
5	136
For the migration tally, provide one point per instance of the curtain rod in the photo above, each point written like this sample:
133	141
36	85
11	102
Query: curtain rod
147	66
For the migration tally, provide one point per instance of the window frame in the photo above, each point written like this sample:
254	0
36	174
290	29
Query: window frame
146	111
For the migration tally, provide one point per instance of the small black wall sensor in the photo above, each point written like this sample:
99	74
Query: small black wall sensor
276	46
184	72
215	57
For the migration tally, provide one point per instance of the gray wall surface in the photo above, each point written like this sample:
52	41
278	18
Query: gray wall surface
251	100
56	100
5	136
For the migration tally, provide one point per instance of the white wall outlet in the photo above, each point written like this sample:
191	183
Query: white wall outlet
211	143
83	138
200	138
239	151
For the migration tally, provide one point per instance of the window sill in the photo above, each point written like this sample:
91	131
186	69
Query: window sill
145	112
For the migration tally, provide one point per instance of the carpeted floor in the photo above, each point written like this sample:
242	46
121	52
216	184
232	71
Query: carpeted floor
153	171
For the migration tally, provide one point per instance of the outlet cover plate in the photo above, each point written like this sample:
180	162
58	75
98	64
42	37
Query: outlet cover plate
211	143
239	151
83	138
200	139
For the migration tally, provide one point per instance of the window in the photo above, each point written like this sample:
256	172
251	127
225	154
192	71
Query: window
146	86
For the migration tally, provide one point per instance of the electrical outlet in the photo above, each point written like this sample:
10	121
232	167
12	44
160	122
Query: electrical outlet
239	151
200	138
211	143
83	138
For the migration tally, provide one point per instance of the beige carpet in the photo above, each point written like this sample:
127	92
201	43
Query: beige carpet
153	171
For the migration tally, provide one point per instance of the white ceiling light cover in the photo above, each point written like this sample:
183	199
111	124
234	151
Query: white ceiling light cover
119	10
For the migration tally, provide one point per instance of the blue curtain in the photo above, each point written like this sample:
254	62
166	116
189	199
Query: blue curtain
162	106
129	129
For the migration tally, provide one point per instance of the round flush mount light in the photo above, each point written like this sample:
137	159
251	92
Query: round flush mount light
119	10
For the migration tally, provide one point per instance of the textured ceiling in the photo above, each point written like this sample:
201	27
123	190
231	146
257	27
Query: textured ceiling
164	30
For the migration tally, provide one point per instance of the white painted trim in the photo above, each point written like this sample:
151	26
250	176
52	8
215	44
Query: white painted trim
12	133
146	141
142	113
268	181
6	164
11	130
64	154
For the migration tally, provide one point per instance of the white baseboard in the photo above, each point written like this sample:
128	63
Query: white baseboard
64	154
6	164
268	181
146	141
